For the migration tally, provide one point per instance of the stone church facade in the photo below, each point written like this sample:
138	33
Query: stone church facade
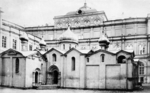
69	67
71	50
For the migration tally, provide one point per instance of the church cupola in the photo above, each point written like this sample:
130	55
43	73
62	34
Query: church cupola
42	44
24	41
68	39
104	41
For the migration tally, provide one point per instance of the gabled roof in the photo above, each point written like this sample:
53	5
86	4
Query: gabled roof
101	50
112	52
80	51
58	50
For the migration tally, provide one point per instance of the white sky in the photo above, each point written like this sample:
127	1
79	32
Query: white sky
41	12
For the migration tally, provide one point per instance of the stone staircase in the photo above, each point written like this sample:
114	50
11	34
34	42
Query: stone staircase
42	87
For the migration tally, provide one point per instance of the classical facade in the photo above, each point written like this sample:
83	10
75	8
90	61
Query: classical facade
88	24
10	34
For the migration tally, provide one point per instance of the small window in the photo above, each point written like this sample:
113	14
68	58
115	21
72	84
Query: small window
17	65
88	60
73	63
141	68
14	44
4	39
102	57
54	57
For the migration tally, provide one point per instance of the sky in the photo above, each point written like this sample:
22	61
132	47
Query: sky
30	13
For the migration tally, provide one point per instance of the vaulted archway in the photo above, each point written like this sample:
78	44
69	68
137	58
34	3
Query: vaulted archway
53	75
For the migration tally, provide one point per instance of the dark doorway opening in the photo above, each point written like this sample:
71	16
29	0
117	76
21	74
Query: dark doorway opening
55	76
36	77
121	59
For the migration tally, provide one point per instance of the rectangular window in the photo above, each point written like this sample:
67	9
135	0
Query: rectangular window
30	47
17	65
4	39
14	44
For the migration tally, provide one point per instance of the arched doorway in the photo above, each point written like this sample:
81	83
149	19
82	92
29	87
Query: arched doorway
121	59
53	75
36	77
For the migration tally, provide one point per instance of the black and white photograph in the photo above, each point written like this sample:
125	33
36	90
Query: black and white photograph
74	46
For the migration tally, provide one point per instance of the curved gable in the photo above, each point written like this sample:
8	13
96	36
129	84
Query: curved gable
11	52
125	53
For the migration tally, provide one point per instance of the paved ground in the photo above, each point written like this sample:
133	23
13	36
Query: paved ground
12	90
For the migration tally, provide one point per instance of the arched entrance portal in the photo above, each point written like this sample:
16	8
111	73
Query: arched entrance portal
36	76
53	75
121	59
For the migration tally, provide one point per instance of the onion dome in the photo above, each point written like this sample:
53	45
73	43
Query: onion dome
24	36
68	36
104	41
42	42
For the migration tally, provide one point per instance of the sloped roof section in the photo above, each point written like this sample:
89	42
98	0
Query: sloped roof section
80	51
58	50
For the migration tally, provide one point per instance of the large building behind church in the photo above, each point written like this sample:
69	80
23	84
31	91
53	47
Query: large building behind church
88	24
68	61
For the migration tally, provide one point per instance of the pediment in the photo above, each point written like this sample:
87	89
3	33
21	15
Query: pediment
11	52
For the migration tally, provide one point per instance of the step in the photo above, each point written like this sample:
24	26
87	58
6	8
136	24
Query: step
47	86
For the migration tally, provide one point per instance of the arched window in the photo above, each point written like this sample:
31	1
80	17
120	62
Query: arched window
17	65
73	63
54	58
141	68
63	46
121	59
102	57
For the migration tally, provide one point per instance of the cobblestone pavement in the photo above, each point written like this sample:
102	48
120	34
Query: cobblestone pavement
13	90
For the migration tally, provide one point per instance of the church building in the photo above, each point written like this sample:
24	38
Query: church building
68	66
